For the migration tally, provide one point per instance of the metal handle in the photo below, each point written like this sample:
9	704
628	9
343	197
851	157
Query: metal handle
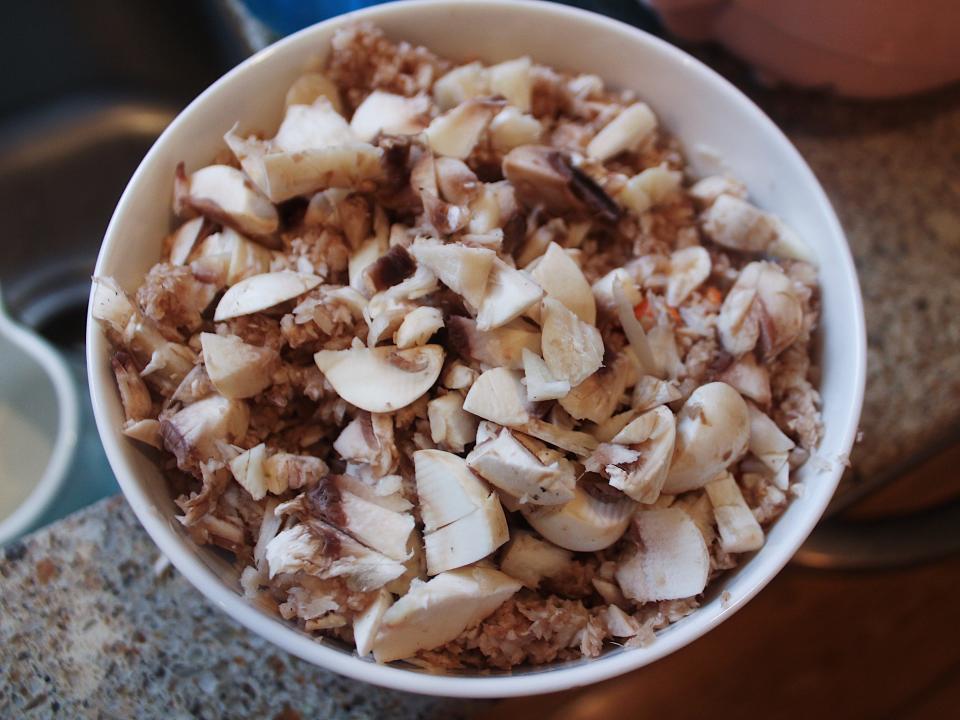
918	537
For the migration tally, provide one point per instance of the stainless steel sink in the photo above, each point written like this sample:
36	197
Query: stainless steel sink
91	87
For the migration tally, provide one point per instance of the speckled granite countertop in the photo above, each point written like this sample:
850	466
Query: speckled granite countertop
87	628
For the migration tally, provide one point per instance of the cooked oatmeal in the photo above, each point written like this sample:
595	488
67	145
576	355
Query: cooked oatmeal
461	366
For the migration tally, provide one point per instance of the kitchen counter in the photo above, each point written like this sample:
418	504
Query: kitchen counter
91	625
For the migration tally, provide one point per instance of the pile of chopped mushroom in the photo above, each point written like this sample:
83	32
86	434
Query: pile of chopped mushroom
462	368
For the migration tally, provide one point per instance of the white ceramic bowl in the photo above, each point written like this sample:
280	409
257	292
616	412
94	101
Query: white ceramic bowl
711	117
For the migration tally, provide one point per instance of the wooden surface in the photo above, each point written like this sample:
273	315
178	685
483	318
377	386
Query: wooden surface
813	644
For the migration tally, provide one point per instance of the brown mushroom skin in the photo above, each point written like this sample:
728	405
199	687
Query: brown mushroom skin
544	176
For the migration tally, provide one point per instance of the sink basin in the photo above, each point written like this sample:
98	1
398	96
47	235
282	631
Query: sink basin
77	114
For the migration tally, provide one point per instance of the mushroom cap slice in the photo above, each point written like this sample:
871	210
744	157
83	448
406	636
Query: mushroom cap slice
562	279
673	561
236	369
713	429
626	131
572	349
228	196
446	488
381	379
263	291
434	613
584	524
468	539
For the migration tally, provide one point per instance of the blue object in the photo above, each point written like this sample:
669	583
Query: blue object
287	16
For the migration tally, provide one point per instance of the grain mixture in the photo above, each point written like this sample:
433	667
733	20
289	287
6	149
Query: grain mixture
462	367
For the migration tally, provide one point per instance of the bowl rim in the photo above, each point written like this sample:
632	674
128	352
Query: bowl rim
551	678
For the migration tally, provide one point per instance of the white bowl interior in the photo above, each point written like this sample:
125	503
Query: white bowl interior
713	120
38	426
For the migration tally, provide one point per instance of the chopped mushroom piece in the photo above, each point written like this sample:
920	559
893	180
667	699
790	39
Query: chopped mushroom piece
383	112
562	279
713	429
192	434
529	559
447	489
689	267
498	396
366	625
312	85
467	539
739	529
736	224
761	310
436	612
226	195
451	426
649	188
626	131
706	191
652	436
543	175
462	269
134	395
541	385
749	378
500	347
418	327
508	294
512	80
598	396
672	562
461	84
572	349
511	128
457	132
649	392
236	369
319	549
507	464
579	443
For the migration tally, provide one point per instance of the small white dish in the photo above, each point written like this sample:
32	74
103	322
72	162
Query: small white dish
38	426
720	129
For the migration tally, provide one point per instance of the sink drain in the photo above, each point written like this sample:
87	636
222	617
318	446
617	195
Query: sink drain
53	302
